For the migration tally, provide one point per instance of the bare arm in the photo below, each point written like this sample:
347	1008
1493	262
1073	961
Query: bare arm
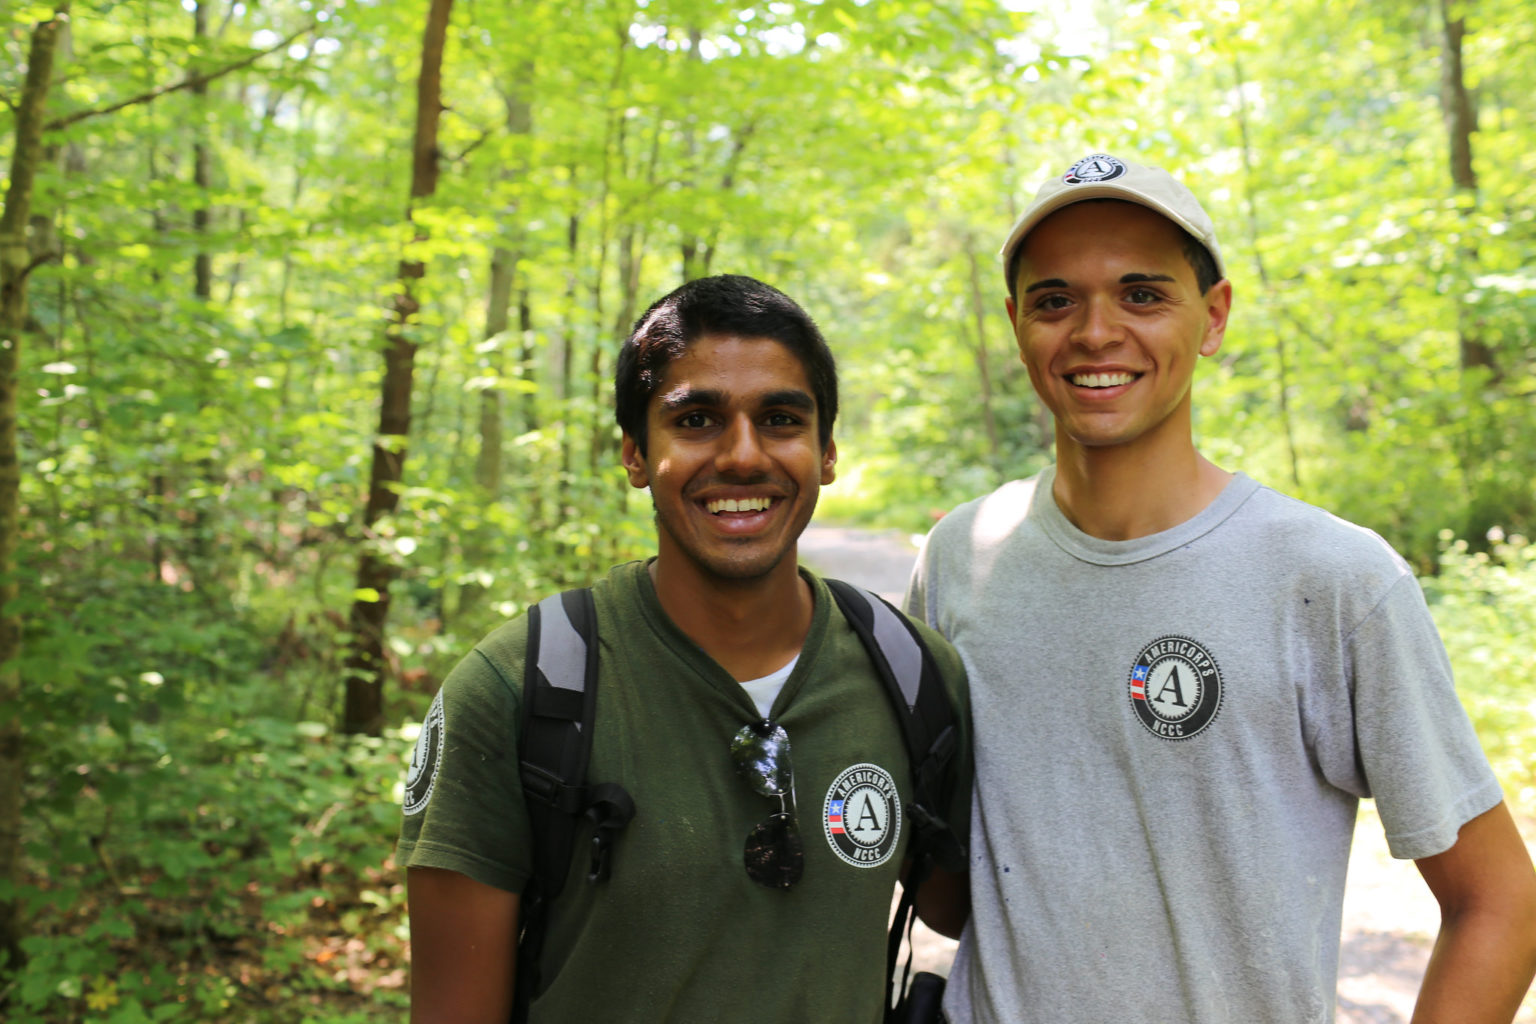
1485	954
463	948
944	901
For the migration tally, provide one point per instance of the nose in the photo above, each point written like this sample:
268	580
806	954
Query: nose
1098	326
741	450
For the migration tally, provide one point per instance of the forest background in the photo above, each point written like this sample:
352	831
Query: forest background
308	310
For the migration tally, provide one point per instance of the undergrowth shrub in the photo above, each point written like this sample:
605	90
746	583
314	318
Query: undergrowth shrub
189	855
1485	605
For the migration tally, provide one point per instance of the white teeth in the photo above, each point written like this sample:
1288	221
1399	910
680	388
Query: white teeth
739	505
1101	380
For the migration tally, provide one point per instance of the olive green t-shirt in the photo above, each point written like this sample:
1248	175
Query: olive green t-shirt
679	932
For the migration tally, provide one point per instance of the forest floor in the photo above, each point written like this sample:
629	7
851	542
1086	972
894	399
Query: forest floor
1390	918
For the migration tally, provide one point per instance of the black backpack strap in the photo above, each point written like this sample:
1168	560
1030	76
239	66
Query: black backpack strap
929	725
559	706
916	689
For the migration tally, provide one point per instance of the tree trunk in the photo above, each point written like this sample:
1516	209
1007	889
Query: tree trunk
691	248
201	544
16	262
497	320
1460	122
202	173
364	711
983	366
488	465
1250	201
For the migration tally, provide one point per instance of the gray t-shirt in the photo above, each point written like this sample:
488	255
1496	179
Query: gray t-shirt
1172	735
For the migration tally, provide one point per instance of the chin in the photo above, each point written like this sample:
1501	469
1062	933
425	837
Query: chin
743	570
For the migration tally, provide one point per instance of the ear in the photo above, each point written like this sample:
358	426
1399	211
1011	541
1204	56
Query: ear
829	463
1013	324
1218	305
634	463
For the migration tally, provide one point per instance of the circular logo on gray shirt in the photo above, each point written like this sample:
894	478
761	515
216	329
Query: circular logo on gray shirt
1175	687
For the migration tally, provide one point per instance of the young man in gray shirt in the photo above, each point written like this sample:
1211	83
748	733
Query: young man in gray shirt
1184	682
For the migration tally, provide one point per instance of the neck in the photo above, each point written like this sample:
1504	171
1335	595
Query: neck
1124	492
751	627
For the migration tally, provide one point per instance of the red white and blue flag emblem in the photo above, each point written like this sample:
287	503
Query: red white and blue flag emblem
835	817
1139	682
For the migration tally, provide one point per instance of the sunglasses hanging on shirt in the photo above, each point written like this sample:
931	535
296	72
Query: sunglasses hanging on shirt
774	854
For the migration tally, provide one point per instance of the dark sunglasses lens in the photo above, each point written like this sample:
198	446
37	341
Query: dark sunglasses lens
774	854
761	753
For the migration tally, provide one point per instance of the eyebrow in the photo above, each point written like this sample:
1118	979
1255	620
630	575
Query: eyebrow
1056	282
791	398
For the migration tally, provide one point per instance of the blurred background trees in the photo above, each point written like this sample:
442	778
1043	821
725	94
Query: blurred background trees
218	238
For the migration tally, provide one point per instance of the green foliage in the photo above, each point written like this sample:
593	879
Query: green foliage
195	459
198	870
1485	605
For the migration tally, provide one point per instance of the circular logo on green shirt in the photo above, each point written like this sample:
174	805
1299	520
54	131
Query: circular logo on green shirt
862	815
426	759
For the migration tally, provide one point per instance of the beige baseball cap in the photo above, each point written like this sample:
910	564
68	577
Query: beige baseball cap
1102	176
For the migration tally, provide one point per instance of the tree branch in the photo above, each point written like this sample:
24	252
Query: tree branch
202	78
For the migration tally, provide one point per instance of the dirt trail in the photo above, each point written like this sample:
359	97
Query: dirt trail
1389	916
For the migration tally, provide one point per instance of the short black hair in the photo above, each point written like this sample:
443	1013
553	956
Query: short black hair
724	304
1198	256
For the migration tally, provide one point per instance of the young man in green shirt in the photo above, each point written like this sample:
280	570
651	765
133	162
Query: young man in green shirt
726	394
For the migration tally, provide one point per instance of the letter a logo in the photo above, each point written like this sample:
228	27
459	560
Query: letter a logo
1175	688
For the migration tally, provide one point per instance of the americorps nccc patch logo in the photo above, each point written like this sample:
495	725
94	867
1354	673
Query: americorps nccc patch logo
862	815
1099	167
1175	687
426	759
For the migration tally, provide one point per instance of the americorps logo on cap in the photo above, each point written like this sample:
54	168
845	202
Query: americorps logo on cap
1175	687
862	815
426	759
1099	167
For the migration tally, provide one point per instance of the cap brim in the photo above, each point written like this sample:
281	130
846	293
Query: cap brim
1077	194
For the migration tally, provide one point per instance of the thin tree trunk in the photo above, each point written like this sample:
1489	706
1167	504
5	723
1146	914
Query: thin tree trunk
364	710
16	262
497	319
567	370
615	143
691	249
201	546
528	413
983	367
498	306
1460	122
202	173
1282	360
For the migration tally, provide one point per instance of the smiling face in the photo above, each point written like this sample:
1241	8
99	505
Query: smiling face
1110	324
732	459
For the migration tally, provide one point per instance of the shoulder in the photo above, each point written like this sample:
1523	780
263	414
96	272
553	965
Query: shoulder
503	650
946	659
980	525
943	651
997	513
950	665
1316	539
1304	550
497	661
620	597
498	656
